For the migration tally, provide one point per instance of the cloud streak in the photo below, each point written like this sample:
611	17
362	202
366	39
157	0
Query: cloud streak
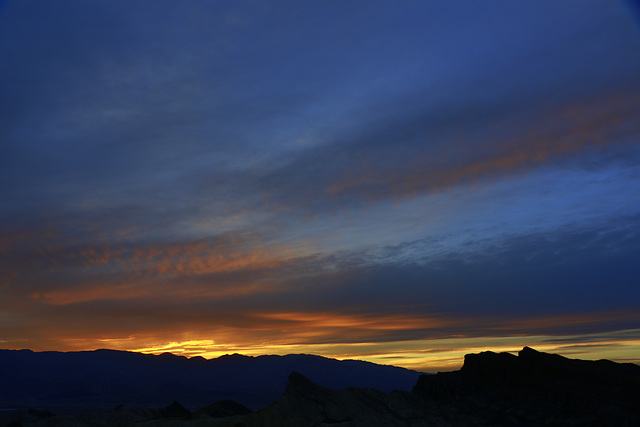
359	171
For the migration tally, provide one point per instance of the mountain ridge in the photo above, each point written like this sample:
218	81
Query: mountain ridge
105	378
491	389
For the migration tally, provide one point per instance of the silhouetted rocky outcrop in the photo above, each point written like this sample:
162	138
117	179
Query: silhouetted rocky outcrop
307	404
537	388
492	389
175	410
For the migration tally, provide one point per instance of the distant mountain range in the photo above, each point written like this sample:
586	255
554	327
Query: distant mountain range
491	389
107	378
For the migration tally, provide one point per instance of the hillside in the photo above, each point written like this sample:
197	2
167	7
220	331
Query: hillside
103	379
491	389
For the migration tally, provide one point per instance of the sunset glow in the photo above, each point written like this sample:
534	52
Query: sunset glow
398	183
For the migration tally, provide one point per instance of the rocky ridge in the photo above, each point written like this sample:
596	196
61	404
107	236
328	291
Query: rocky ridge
491	389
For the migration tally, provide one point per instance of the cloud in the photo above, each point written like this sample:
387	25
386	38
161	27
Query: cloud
324	175
406	160
579	281
62	272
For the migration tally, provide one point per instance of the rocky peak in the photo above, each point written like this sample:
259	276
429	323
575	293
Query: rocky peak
299	385
490	367
175	410
535	385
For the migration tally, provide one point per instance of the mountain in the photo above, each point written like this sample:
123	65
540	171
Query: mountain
102	379
536	388
491	389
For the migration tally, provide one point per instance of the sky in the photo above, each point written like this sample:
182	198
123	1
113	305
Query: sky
399	182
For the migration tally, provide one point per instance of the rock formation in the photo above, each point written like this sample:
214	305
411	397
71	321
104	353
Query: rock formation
537	388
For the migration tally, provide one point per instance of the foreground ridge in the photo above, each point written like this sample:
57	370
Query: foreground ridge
491	389
536	388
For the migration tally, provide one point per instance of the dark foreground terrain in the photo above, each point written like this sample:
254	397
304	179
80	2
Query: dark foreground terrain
491	389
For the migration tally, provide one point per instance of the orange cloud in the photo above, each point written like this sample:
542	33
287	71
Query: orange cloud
424	342
562	322
602	121
36	242
301	320
116	271
124	286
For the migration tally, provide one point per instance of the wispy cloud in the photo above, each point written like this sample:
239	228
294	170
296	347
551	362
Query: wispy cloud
327	177
405	162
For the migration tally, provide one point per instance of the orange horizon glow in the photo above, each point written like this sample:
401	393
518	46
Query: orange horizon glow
444	353
433	355
421	355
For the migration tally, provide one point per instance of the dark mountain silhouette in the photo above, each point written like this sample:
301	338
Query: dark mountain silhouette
536	388
491	389
103	379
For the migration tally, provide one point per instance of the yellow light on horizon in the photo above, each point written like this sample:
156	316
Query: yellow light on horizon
435	355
